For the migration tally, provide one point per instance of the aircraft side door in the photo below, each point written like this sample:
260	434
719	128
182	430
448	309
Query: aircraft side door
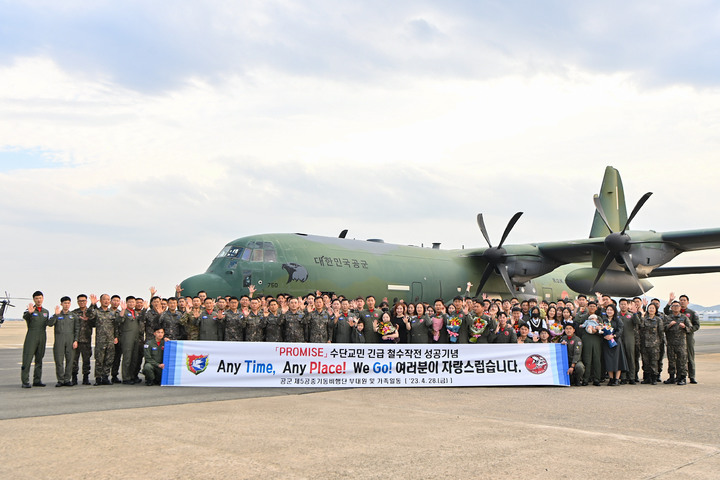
416	294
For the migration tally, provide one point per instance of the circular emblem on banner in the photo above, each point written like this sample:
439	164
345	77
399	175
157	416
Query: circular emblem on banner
536	364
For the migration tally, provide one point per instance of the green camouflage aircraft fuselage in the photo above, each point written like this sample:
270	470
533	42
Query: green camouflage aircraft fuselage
299	264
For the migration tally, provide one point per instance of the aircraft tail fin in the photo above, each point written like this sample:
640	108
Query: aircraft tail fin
612	198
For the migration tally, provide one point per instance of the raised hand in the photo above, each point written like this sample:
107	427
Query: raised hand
31	308
153	291
93	299
178	290
251	289
57	309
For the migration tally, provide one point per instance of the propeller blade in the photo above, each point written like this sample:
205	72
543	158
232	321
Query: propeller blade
599	208
481	224
637	208
504	272
509	227
486	275
343	233
606	263
628	263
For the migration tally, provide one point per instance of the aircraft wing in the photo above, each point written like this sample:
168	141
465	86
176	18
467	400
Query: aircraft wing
670	271
689	240
574	251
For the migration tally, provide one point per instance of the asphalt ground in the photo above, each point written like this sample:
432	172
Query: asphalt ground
642	431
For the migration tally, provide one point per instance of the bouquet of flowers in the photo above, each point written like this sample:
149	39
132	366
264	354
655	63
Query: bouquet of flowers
453	327
556	329
477	328
605	330
438	322
386	328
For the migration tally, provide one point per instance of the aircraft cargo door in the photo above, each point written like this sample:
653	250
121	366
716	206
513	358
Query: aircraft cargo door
416	292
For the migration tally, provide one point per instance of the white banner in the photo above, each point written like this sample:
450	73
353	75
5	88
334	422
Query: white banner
259	364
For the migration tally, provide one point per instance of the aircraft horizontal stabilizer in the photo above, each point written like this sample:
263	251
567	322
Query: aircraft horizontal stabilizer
671	271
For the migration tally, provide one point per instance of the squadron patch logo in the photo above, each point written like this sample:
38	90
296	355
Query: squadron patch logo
196	364
536	364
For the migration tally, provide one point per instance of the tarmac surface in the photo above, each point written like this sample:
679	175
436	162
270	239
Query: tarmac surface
128	431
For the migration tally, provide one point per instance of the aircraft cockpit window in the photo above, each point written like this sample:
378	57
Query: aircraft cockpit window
257	255
235	252
246	254
269	252
224	251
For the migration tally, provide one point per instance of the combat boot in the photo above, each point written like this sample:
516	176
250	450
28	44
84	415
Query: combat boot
115	379
693	381
106	381
670	380
98	381
681	381
74	379
86	379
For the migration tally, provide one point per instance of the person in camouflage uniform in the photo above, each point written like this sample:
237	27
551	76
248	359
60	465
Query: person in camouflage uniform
188	320
651	333
273	322
140	314
676	328
84	348
170	320
295	323
320	324
129	326
106	337
254	323
232	323
67	327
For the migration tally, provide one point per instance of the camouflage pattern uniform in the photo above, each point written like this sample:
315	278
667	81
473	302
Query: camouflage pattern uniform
254	326
34	345
695	326
188	323
84	348
296	327
129	326
233	326
106	331
151	319
651	333
170	322
67	328
368	317
153	354
320	327
274	327
677	345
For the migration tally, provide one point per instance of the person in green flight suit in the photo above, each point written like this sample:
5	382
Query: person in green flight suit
36	318
67	329
153	353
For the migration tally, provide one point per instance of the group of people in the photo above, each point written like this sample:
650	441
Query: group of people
605	339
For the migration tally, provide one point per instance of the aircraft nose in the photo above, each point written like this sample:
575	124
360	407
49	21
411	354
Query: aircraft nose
214	285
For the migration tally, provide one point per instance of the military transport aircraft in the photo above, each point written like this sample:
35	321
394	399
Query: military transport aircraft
614	260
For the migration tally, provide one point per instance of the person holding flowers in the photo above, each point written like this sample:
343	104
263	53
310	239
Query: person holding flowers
480	326
385	329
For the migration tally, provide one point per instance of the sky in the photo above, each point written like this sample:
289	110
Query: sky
138	138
